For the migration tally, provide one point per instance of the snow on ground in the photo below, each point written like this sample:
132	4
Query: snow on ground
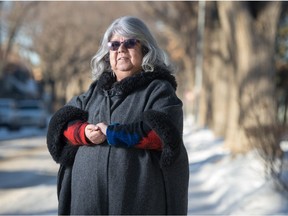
27	177
219	184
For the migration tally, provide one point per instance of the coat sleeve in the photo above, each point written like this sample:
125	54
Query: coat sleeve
60	150
168	133
165	117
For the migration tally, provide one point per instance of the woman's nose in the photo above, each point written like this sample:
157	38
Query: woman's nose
121	48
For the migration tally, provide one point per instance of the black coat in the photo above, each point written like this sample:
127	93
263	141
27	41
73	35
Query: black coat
103	179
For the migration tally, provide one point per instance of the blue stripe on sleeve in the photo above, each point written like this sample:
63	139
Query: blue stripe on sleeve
121	137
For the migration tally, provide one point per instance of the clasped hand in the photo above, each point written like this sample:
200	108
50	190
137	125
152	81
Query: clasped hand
96	134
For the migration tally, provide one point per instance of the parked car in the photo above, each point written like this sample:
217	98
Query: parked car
7	107
29	113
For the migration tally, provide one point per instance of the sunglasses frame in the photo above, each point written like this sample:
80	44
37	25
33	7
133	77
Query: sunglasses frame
127	44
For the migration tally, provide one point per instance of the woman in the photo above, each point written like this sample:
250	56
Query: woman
119	144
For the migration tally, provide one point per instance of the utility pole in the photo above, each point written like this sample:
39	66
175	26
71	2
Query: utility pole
199	58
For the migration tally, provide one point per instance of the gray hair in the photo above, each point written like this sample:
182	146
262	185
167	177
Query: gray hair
129	27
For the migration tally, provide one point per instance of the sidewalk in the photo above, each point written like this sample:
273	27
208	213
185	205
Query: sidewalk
27	178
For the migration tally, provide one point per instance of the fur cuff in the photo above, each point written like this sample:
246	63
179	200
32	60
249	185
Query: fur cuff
61	151
169	134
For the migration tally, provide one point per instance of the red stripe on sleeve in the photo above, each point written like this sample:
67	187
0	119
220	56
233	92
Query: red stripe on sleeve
151	141
75	133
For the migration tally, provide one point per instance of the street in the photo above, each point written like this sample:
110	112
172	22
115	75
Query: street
27	177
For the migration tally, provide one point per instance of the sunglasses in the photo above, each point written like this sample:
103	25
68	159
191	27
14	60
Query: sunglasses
128	44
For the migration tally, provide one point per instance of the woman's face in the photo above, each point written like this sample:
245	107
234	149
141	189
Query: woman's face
125	61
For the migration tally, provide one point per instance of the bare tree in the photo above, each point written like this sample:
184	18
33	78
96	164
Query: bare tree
66	36
13	15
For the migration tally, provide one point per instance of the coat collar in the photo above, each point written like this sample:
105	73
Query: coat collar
107	82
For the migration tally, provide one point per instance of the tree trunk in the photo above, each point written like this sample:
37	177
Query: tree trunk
250	41
221	92
216	73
